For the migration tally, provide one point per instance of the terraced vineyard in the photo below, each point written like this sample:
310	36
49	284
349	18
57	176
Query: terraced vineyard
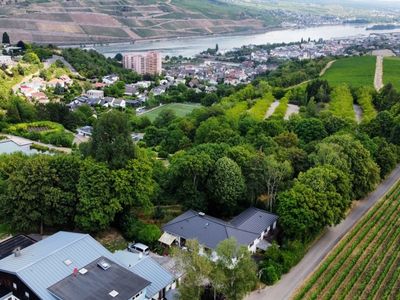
366	263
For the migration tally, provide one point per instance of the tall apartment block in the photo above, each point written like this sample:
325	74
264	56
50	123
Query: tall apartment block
143	63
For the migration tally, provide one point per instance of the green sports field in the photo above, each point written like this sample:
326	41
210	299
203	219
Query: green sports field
180	109
391	71
354	71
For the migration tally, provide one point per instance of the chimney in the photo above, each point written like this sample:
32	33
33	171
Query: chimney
17	252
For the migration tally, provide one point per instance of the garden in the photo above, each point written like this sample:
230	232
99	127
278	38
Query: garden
44	131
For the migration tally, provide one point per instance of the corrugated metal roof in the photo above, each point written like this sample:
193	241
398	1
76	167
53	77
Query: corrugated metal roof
147	268
42	264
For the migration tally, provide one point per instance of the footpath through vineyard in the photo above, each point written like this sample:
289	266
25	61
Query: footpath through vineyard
365	265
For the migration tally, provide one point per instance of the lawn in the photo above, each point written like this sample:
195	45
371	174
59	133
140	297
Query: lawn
365	264
355	71
391	71
180	109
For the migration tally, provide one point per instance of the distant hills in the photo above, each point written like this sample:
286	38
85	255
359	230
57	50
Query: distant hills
88	21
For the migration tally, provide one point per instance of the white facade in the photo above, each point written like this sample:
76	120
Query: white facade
95	94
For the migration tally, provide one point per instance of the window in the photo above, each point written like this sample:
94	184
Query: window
27	295
14	286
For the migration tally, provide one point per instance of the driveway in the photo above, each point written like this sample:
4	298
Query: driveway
286	287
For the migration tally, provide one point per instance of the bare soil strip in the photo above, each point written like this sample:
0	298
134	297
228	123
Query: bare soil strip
378	81
271	109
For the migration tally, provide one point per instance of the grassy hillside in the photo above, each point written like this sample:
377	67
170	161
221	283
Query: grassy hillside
391	71
354	71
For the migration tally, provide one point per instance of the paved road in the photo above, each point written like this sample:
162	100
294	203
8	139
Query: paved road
286	287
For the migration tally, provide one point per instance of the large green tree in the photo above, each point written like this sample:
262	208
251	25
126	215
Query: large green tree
319	198
97	205
225	186
111	141
364	172
234	272
197	269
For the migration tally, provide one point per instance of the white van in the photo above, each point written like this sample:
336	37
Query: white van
139	248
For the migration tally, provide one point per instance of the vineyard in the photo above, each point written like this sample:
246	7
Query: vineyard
366	263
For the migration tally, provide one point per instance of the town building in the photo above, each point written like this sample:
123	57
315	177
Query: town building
95	94
71	266
251	229
143	63
68	266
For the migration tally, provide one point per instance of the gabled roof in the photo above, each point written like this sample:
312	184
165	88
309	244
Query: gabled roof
254	220
209	231
8	246
43	264
147	268
97	283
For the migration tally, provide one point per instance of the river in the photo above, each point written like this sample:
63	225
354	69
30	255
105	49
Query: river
189	46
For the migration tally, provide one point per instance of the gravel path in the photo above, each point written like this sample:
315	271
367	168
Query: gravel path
328	65
378	80
291	110
358	112
287	286
271	109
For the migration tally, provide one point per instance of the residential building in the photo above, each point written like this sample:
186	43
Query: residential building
250	229
110	79
68	266
148	268
143	63
85	130
95	94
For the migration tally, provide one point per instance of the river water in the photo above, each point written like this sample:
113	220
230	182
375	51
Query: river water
190	46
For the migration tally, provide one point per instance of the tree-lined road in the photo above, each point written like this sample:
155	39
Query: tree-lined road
290	282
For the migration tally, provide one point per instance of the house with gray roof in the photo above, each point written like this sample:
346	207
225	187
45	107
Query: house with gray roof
145	266
68	266
248	229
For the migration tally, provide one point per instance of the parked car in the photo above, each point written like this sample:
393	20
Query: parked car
139	248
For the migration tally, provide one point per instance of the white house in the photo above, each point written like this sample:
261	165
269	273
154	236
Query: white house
249	229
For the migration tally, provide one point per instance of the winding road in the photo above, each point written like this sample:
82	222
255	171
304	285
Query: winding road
287	286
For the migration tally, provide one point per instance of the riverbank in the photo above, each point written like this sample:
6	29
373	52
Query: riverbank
190	46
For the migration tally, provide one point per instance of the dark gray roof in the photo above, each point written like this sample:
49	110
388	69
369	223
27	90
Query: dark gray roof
8	246
254	220
210	231
98	283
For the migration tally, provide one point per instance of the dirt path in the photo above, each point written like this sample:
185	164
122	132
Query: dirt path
358	112
291	110
378	81
287	286
271	109
328	65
